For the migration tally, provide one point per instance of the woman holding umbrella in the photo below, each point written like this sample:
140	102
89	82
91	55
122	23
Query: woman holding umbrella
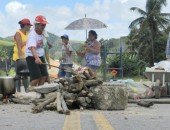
92	51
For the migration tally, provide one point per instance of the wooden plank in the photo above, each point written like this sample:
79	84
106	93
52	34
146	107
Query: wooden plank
156	101
58	100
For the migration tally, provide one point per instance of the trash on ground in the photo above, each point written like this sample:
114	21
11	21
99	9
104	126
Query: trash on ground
162	65
137	90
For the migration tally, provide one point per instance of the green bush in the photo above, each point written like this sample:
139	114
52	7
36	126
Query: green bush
2	73
12	72
132	64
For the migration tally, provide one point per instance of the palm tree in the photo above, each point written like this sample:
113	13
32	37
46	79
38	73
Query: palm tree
152	19
133	40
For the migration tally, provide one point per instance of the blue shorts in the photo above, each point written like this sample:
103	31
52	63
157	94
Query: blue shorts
62	73
93	67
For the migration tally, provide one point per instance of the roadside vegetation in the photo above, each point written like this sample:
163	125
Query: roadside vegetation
146	42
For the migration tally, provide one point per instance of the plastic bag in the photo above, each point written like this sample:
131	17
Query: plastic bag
137	90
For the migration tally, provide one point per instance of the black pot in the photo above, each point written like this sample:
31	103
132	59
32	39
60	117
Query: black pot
22	68
7	85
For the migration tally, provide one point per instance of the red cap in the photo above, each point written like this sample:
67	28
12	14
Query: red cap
25	21
41	19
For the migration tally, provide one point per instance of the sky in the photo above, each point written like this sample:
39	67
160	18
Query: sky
115	14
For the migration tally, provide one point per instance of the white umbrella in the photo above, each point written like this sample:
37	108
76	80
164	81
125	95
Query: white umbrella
86	23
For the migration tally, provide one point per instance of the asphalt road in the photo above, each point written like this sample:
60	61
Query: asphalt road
19	117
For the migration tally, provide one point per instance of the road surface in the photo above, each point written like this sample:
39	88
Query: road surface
19	117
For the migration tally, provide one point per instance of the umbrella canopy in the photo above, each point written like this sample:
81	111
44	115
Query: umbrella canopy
86	23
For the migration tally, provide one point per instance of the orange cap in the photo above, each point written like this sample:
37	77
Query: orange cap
25	21
41	19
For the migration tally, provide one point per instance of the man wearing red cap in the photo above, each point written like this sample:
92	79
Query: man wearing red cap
20	39
35	52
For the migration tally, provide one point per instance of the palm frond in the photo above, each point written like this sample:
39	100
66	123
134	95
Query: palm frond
155	6
165	15
144	26
142	12
136	22
163	23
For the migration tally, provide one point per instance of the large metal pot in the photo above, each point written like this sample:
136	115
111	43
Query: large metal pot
22	68
7	85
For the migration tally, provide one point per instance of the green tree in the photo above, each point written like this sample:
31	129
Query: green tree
133	40
151	19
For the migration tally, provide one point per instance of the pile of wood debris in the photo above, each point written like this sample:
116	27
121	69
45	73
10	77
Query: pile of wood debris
64	93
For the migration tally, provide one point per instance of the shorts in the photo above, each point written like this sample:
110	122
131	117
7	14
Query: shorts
93	67
62	73
36	71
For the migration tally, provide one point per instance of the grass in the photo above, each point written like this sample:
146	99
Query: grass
6	43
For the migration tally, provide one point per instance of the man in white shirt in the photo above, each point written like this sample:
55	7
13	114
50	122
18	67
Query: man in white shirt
35	52
67	56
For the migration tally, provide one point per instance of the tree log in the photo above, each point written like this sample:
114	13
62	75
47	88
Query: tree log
85	104
69	102
40	100
90	95
62	80
82	76
87	75
81	100
85	88
49	95
59	108
61	85
37	102
66	88
88	100
92	74
70	96
46	88
72	80
56	81
77	87
66	83
51	107
83	93
64	106
20	101
40	107
93	82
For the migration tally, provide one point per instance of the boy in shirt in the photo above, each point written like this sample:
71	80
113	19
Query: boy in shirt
67	56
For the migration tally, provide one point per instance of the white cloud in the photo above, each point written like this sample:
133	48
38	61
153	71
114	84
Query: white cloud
15	7
123	1
114	13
